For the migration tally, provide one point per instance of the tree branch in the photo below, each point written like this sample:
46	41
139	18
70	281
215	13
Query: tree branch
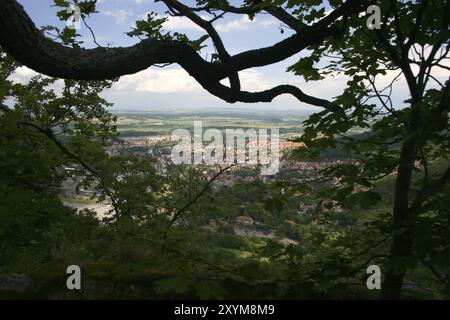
197	196
47	132
430	190
20	37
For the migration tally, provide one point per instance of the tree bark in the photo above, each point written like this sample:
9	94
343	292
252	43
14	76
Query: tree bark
25	43
401	247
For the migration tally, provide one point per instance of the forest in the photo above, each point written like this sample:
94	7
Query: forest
364	179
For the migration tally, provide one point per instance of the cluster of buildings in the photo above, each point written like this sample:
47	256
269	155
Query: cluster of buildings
160	146
132	142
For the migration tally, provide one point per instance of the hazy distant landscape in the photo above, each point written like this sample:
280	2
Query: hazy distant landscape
328	176
142	123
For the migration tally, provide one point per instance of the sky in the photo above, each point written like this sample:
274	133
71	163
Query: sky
171	87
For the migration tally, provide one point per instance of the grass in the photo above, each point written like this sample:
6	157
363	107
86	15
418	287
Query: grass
139	126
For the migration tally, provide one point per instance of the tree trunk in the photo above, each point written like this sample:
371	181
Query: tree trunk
402	241
401	248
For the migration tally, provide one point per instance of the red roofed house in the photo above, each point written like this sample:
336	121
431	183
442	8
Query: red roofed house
245	220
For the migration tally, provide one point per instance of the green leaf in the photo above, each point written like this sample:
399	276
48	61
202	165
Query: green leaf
178	285
305	67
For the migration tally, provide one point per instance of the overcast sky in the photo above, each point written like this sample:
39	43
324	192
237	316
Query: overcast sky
157	88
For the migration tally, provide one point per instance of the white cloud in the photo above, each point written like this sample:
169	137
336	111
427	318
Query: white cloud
22	75
245	23
119	15
174	23
180	23
158	81
252	80
179	81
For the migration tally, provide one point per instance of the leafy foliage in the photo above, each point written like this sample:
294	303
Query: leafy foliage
152	28
156	240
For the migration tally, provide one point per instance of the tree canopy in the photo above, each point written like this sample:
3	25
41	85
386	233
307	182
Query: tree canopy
397	139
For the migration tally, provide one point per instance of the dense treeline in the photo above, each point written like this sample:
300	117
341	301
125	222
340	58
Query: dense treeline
392	197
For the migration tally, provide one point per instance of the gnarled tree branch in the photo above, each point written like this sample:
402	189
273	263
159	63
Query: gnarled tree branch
20	38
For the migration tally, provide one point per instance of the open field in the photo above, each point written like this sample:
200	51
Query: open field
161	123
